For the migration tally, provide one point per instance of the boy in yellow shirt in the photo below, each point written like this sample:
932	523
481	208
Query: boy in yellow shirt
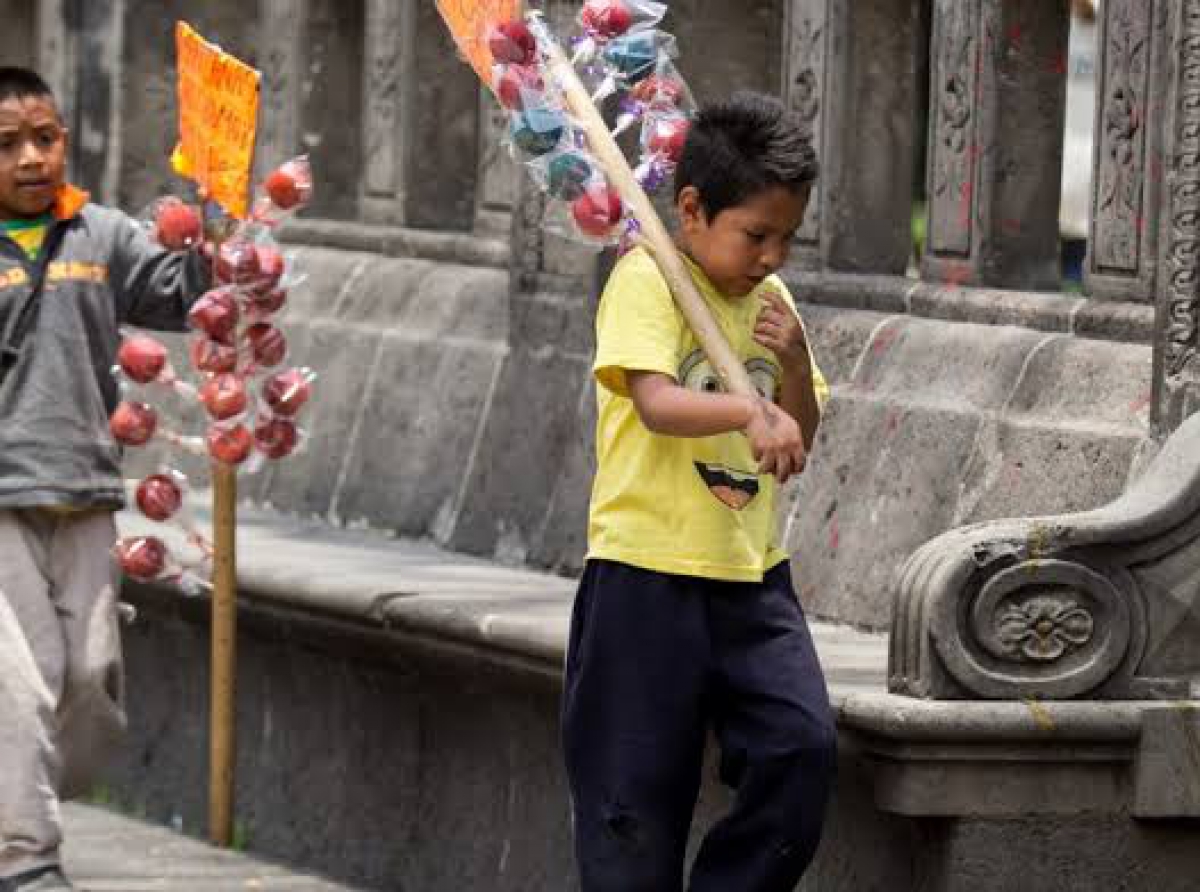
686	618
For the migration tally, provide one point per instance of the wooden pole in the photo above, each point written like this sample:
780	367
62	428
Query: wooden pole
224	653
655	236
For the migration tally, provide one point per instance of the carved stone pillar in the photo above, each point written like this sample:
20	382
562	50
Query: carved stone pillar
389	36
996	117
850	77
1176	370
1127	155
282	31
499	176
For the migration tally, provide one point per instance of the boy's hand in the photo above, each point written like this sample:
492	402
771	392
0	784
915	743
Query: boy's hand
779	330
775	441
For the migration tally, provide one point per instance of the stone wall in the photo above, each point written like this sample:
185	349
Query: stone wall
18	39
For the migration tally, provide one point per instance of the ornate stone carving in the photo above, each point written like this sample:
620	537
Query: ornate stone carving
952	126
1183	251
1118	202
384	58
529	241
804	89
1043	628
1096	604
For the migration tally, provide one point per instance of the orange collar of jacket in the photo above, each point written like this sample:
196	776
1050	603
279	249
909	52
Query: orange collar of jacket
69	202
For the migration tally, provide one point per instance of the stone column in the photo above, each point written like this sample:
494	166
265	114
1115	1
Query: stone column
389	38
18	38
1176	365
850	76
996	118
1127	150
499	176
282	31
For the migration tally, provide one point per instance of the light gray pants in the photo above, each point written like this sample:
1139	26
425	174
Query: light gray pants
61	690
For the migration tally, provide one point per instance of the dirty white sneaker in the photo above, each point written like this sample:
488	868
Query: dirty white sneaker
44	879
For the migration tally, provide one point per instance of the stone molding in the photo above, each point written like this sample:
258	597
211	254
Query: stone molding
1094	604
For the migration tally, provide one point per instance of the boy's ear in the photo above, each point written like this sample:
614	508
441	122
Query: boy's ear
690	209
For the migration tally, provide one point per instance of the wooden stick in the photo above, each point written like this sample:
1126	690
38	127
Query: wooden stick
655	236
222	748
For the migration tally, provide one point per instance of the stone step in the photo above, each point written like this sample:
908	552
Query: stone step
107	852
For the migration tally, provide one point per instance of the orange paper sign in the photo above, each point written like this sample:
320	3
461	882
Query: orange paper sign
469	21
218	120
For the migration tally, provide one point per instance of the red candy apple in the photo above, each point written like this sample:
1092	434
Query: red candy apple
237	262
667	138
285	392
212	356
177	225
270	267
606	19
159	497
229	443
142	358
512	42
268	301
133	424
517	83
275	437
267	343
216	314
143	557
597	211
224	396
290	185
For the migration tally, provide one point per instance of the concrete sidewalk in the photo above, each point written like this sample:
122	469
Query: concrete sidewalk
106	852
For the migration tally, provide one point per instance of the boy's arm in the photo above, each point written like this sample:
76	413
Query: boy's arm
668	409
154	287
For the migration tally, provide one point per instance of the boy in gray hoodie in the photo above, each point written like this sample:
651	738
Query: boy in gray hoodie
71	273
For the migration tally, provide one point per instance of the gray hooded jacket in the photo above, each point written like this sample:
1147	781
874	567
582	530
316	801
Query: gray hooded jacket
101	271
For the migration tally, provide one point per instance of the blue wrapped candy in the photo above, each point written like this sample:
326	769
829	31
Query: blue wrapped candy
537	130
568	174
633	56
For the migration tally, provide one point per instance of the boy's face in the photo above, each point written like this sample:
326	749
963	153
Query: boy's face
33	156
744	244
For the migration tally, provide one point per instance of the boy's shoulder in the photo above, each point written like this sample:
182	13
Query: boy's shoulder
636	266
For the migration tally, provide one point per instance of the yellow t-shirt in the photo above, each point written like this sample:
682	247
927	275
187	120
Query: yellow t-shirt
28	234
691	506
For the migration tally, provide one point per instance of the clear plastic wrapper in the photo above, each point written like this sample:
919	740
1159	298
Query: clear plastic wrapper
662	93
663	139
224	396
141	358
518	87
276	438
229	442
598	211
284	191
538	130
631	59
133	423
174	223
160	496
148	559
268	346
513	43
211	357
216	314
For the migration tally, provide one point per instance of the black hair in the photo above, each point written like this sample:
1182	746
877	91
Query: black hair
739	147
23	83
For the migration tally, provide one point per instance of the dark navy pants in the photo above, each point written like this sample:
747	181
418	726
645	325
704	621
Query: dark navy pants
654	661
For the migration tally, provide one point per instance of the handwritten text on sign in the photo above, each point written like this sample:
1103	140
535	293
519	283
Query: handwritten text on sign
218	120
469	21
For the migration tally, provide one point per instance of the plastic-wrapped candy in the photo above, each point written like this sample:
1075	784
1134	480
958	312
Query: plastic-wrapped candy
160	496
290	185
265	302
568	173
513	43
634	57
598	210
212	357
216	313
142	358
518	86
605	20
229	443
663	92
665	136
224	396
286	392
237	262
133	423
268	346
143	558
276	438
271	267
176	224
537	130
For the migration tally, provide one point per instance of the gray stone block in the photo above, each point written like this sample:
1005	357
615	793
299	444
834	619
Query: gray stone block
1167	782
408	469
